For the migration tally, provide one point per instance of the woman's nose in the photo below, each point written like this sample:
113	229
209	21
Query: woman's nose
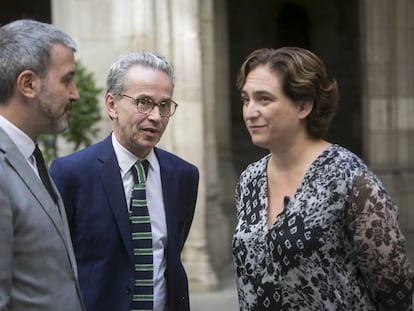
250	110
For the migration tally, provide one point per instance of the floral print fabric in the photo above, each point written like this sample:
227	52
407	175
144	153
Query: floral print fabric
336	245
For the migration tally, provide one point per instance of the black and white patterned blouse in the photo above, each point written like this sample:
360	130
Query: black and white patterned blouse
336	245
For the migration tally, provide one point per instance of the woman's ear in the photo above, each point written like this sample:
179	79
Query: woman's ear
305	108
28	84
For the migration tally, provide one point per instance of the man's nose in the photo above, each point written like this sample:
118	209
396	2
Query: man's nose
74	93
155	112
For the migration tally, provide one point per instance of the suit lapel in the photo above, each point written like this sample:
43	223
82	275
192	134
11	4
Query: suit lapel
113	187
16	160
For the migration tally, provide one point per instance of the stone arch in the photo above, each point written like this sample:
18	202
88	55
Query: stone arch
293	26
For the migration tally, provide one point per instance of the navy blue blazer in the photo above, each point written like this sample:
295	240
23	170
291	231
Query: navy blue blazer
91	187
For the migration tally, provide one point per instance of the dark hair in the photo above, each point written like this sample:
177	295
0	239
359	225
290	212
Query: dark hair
303	78
26	44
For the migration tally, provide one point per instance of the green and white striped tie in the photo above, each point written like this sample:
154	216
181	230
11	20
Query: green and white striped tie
143	294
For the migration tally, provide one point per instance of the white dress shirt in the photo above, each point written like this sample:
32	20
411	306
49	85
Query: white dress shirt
23	142
156	210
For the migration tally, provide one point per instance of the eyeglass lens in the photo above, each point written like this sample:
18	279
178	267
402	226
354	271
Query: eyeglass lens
146	104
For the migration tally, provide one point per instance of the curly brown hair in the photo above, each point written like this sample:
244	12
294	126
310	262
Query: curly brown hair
303	78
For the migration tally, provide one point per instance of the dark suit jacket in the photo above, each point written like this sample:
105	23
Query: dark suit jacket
91	186
37	264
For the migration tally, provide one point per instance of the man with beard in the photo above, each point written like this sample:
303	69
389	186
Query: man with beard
37	266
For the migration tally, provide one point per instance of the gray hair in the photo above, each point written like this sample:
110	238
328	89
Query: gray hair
116	80
26	45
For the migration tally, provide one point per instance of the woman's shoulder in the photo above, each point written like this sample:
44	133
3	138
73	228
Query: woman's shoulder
343	157
342	162
256	168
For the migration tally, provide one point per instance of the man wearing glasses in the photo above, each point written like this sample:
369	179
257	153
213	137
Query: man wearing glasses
100	185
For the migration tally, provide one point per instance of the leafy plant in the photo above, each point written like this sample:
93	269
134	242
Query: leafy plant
84	118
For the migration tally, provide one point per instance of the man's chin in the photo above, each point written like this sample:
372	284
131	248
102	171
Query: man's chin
58	128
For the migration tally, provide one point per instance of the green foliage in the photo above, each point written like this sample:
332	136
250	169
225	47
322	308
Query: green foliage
83	121
85	112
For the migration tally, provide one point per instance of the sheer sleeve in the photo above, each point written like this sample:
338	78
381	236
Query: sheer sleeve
237	198
372	220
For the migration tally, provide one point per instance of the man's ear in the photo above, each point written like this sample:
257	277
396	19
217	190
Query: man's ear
28	84
110	105
305	108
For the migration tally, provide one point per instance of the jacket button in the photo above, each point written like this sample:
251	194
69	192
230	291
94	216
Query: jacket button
128	291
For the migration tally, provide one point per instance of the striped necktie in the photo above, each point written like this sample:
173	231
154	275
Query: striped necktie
143	294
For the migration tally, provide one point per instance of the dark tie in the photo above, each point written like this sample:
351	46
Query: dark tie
143	296
44	176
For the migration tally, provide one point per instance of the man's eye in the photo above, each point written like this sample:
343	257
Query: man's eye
67	79
165	104
146	101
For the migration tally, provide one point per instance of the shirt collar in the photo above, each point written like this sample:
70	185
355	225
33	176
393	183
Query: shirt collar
23	142
126	159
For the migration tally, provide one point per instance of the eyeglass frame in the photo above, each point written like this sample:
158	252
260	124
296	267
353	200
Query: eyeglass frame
154	103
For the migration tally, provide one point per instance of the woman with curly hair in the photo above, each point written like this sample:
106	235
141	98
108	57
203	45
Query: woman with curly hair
316	228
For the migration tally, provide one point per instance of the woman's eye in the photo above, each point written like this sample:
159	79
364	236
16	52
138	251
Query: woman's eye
244	100
264	99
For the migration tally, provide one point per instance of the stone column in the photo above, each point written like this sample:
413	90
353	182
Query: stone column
388	97
221	215
191	133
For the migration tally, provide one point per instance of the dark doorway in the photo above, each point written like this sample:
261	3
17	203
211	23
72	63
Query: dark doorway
16	9
329	28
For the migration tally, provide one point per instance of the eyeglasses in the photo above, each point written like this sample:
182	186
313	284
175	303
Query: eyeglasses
145	105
